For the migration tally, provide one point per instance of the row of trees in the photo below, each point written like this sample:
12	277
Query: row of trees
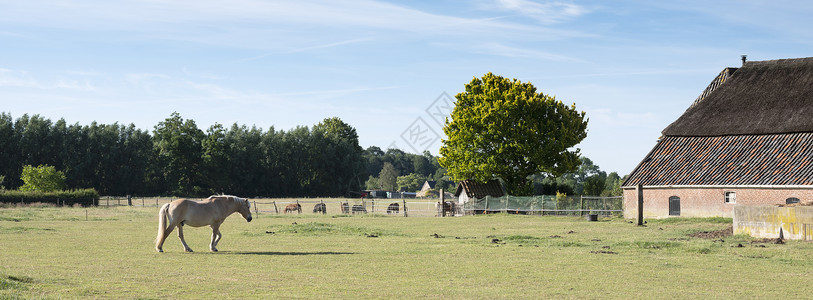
181	159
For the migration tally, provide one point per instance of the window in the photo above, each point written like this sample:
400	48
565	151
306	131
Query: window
791	200
730	197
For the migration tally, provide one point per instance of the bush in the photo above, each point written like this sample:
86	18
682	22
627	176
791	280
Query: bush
84	197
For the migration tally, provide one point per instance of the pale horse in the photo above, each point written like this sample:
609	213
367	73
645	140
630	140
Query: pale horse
212	211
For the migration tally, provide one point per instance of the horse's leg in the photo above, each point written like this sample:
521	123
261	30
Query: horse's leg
215	237
161	241
180	235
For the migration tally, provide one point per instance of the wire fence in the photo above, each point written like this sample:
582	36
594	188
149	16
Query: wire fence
533	205
405	207
546	205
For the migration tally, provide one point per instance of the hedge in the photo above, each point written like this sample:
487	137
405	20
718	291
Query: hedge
84	197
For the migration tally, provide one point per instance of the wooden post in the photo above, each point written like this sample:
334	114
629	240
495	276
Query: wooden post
640	189
405	208
275	207
373	203
581	205
256	210
442	204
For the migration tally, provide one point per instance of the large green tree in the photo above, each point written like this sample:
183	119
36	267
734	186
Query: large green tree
179	144
503	128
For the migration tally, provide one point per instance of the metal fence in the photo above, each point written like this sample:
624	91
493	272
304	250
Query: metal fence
533	205
406	207
546	205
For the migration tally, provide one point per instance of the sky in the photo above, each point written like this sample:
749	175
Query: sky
390	69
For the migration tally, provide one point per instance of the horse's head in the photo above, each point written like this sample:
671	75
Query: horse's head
244	208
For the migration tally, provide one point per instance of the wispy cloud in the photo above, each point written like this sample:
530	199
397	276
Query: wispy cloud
548	12
309	48
507	51
23	79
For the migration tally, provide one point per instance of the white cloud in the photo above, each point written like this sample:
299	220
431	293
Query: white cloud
503	50
547	12
23	79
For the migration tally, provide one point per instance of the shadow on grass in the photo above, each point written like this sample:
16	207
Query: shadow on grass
289	253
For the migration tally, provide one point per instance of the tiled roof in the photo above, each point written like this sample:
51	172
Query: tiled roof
772	159
479	190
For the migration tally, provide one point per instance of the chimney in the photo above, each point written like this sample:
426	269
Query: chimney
743	58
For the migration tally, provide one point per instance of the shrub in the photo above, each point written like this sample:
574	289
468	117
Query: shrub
84	197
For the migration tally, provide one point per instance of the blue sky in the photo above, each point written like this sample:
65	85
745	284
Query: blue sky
382	66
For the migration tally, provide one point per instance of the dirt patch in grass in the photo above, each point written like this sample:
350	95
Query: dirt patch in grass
777	241
714	234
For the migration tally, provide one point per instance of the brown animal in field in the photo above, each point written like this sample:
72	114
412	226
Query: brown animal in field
449	208
293	207
320	208
345	208
359	209
393	208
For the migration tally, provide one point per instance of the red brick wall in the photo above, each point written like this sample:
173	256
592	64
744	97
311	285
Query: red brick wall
706	202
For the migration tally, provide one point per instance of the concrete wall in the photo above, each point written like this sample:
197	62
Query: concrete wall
706	202
796	222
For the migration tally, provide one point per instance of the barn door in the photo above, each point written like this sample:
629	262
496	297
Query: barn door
674	206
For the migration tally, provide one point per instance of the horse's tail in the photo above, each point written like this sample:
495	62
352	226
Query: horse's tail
162	223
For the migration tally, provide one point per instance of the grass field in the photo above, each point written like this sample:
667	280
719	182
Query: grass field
48	252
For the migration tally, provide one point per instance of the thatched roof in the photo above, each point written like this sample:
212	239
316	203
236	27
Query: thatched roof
761	97
751	126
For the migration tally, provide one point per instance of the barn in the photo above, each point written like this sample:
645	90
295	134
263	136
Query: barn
469	189
746	140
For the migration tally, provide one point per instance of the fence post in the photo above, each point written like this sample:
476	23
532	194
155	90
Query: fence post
442	204
275	207
256	210
581	205
373	203
405	208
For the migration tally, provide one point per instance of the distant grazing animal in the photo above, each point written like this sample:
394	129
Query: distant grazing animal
212	211
392	208
449	207
359	209
293	207
345	208
320	208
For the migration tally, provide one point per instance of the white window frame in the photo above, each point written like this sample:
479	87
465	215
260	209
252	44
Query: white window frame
731	197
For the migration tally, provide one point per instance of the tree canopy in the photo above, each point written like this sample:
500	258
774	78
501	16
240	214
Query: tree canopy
503	128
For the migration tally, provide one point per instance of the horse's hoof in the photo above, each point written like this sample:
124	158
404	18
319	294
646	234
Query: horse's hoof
159	250
214	250
189	250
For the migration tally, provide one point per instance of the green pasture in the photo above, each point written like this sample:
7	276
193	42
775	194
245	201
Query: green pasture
48	252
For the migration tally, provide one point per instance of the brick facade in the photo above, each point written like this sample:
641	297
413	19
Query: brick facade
707	202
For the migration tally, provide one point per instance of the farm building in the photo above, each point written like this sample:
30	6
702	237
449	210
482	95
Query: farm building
746	140
426	189
469	189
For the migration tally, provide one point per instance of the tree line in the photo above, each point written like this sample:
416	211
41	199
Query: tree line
178	158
